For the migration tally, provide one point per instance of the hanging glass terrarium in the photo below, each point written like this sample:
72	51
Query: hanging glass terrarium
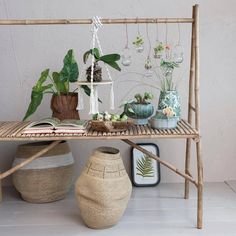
178	54
148	67
159	46
158	50
126	55
139	44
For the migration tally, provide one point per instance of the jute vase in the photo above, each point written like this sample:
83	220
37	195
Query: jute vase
103	189
47	178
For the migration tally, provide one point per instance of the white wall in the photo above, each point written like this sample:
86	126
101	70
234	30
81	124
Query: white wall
26	50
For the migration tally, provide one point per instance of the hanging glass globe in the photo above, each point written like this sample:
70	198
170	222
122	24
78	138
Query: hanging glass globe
126	57
158	50
139	44
148	68
178	54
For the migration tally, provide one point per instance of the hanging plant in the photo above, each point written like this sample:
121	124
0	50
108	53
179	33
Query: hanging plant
158	50
109	59
139	42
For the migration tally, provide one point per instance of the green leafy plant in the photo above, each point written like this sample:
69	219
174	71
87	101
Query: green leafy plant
110	59
143	99
145	167
167	68
59	83
159	48
138	41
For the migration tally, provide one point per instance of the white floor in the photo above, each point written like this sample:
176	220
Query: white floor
151	211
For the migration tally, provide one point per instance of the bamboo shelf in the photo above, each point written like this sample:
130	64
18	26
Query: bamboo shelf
12	131
189	130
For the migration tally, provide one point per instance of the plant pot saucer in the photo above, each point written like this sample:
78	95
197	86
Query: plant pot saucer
103	82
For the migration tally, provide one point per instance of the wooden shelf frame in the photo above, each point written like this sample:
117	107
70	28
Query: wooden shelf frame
191	133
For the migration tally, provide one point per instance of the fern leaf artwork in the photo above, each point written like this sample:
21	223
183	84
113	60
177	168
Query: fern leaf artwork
144	167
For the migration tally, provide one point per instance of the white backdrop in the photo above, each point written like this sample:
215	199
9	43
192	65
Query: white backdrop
26	50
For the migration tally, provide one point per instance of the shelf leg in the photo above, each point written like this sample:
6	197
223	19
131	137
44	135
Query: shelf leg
187	167
0	190
200	186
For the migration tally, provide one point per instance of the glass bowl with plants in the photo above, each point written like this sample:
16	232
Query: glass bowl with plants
140	109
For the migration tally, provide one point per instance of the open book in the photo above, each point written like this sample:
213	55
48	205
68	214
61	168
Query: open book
54	125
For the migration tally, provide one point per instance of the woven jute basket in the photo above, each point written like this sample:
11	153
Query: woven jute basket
47	178
103	189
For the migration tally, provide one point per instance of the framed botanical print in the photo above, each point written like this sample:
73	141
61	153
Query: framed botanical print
145	171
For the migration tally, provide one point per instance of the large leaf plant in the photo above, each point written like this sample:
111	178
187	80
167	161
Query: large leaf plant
110	59
57	83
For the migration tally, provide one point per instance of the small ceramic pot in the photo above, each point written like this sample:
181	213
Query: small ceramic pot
164	123
141	112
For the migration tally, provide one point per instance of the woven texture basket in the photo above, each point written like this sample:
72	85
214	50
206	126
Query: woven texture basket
103	189
47	178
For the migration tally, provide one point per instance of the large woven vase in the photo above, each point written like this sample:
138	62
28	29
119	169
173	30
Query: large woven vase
64	106
47	178
103	189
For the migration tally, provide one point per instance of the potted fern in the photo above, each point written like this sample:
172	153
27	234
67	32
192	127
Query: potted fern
63	102
109	59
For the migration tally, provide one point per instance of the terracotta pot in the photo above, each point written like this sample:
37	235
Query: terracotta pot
46	179
64	106
103	189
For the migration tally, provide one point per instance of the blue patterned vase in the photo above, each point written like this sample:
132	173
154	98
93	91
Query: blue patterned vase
170	99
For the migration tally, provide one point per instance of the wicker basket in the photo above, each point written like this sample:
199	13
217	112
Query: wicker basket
110	126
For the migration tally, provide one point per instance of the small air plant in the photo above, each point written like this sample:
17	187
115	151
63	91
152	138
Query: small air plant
139	44
158	50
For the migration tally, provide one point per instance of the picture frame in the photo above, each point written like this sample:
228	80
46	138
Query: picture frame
145	171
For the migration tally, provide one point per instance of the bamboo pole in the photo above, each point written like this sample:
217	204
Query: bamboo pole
197	121
0	190
190	106
166	164
27	161
89	21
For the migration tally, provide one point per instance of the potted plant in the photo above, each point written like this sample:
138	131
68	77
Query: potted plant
169	98
63	102
110	59
140	109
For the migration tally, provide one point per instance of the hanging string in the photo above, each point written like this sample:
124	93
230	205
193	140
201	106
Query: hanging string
157	32
138	27
112	96
178	34
149	50
127	36
166	34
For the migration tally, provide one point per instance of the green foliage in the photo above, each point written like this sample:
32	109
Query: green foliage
167	68
37	93
110	59
143	99
159	48
145	167
70	70
138	41
59	82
